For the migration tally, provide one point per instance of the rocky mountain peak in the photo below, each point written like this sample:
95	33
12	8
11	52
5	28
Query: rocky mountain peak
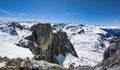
61	40
47	45
41	35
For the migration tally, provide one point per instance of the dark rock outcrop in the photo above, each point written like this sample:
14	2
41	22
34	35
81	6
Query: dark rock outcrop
42	36
31	45
111	58
113	49
47	45
61	44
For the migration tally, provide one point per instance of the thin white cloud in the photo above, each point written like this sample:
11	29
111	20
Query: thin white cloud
116	20
6	12
22	14
67	13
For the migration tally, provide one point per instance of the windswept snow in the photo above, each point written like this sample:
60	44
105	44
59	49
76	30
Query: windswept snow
9	49
12	51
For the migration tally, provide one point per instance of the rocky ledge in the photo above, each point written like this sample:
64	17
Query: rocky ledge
28	64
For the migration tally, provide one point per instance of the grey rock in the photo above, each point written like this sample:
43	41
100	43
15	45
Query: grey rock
111	58
87	67
46	45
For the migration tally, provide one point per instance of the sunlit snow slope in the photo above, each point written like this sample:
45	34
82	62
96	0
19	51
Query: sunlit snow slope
88	41
8	47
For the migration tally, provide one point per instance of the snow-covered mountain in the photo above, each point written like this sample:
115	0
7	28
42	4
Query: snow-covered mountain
89	41
11	33
8	38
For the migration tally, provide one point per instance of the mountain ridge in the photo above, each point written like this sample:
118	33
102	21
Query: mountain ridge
88	40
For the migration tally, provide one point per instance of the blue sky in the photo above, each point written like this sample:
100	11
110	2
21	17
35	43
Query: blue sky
98	12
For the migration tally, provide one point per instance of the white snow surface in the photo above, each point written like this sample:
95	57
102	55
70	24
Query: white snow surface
2	64
9	49
86	39
87	43
70	59
23	33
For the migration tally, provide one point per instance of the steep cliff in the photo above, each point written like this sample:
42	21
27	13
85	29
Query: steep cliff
111	58
46	45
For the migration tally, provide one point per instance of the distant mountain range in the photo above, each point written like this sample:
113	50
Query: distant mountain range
64	44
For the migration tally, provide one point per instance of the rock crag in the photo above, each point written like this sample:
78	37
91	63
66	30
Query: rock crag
46	45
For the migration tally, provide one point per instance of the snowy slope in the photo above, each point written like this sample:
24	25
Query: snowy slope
8	47
12	51
88	42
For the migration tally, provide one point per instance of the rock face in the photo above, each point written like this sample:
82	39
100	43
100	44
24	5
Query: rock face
46	45
111	60
42	36
61	44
